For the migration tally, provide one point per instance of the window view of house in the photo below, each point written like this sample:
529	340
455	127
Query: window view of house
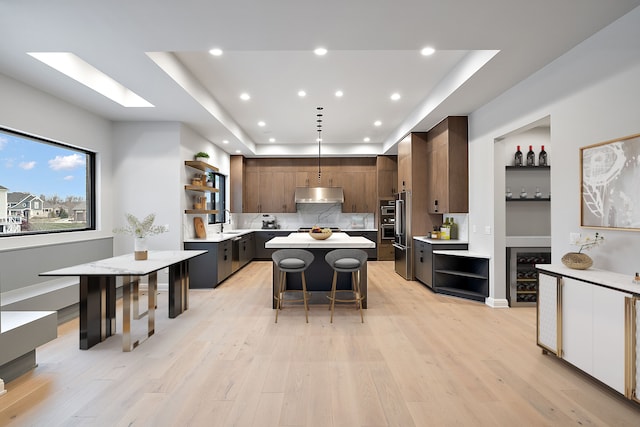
45	186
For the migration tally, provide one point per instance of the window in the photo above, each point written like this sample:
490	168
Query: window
45	186
217	199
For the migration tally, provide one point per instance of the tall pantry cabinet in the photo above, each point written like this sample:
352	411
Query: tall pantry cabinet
448	164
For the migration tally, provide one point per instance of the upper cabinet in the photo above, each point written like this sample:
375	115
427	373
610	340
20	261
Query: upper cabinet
268	185
447	164
387	169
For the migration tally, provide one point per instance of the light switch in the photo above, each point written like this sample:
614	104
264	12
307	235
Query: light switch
487	229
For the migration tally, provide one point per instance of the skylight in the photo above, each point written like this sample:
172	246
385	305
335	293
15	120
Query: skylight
72	66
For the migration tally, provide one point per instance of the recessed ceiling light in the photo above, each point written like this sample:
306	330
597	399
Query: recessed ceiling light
216	51
245	96
377	123
261	124
426	51
72	66
320	51
302	93
238	151
395	96
225	141
366	139
272	140
339	93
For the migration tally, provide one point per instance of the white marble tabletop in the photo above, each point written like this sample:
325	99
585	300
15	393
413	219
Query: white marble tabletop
623	282
126	265
305	241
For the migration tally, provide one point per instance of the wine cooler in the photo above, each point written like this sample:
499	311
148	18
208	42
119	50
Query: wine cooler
522	277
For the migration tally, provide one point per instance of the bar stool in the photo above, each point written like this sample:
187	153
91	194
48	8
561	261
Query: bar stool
291	261
346	261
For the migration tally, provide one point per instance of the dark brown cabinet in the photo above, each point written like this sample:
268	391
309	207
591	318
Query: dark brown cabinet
447	163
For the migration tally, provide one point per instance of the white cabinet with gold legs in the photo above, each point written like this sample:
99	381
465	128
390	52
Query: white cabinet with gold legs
591	319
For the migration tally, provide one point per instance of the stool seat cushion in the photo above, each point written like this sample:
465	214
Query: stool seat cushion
347	263
291	263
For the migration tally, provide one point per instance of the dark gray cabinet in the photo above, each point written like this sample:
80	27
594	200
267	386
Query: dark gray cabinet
262	237
461	276
423	258
246	249
210	269
225	260
203	269
371	235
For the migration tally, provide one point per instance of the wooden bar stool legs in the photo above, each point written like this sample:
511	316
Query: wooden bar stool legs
291	261
346	261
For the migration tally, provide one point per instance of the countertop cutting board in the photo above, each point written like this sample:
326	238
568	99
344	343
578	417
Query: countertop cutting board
198	224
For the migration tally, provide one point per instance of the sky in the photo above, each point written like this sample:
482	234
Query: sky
39	168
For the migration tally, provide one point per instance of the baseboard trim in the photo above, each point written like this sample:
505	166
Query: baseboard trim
497	303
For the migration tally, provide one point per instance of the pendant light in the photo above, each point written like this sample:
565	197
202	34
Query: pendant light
319	128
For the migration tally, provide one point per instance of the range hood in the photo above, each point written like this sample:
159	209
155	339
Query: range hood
319	195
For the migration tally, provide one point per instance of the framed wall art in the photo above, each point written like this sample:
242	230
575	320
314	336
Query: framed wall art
610	184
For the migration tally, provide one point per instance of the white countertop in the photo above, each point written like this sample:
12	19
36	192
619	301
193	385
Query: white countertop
440	241
469	254
126	265
610	279
220	237
305	241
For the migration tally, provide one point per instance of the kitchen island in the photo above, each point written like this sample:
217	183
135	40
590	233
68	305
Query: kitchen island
320	275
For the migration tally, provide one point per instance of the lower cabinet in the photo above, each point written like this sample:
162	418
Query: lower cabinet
262	237
372	253
423	258
225	260
593	327
212	268
461	274
247	249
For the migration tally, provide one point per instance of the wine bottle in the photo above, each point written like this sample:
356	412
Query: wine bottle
531	157
518	157
542	157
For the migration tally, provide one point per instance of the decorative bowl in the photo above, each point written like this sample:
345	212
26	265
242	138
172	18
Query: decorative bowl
321	236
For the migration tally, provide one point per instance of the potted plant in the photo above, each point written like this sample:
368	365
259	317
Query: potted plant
202	157
579	260
140	230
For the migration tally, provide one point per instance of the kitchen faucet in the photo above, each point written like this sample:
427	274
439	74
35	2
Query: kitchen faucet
225	212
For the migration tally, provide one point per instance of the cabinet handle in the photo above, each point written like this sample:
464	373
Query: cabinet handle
435	205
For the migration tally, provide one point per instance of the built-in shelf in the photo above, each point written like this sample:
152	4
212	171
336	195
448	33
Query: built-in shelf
528	167
201	188
463	293
462	274
201	166
201	211
529	199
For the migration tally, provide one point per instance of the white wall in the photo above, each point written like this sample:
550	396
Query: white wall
146	179
591	95
38	113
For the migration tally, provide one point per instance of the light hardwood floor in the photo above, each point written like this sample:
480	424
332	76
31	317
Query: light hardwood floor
419	359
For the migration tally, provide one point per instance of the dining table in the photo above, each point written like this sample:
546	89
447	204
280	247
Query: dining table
97	287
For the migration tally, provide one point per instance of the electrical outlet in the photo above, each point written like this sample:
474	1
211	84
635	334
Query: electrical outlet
474	228
166	227
573	238
487	229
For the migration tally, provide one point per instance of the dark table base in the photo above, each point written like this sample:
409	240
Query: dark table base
319	276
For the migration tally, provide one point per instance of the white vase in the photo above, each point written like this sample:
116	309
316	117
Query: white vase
202	159
140	248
